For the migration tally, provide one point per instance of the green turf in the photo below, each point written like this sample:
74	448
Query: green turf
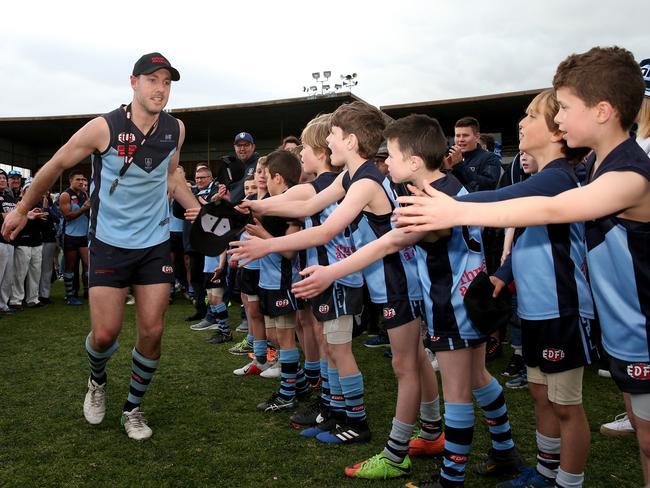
206	429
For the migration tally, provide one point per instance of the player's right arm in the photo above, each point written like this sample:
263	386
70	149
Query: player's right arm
94	136
300	203
320	277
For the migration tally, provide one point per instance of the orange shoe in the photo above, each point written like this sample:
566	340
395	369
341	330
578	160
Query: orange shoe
419	447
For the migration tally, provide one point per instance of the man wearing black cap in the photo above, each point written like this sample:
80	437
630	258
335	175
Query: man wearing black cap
135	151
236	169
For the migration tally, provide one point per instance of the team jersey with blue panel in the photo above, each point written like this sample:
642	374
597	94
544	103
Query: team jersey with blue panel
446	268
338	248
255	264
548	262
77	227
395	276
276	271
136	215
618	259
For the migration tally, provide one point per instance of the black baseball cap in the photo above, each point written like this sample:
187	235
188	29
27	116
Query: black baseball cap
151	62
487	313
217	224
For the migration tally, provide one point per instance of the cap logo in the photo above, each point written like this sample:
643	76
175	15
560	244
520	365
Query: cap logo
242	135
215	225
159	60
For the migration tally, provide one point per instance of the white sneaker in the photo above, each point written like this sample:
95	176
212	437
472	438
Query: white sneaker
130	299
95	403
273	371
604	373
251	369
621	426
136	425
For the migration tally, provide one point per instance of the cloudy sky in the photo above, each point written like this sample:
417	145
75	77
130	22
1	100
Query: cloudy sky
75	57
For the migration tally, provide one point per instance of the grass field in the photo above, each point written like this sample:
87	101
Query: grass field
206	429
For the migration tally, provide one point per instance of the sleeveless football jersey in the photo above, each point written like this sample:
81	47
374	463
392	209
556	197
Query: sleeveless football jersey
136	215
395	276
618	259
77	227
340	247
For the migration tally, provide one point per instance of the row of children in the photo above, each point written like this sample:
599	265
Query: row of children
418	271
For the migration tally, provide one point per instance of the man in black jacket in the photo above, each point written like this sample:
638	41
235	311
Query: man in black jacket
235	169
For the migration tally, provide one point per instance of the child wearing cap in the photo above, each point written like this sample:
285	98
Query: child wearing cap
614	204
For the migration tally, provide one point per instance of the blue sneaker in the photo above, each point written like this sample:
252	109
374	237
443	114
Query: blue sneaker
378	341
322	425
518	382
70	300
346	434
529	478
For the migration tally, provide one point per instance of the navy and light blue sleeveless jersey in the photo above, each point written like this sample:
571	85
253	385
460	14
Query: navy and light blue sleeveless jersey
136	215
338	248
446	268
276	271
618	259
548	262
77	227
255	264
395	276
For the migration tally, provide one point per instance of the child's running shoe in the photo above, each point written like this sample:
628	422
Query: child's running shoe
379	467
620	426
518	382
251	369
242	348
515	366
530	478
346	434
276	403
324	423
419	447
307	416
380	340
500	462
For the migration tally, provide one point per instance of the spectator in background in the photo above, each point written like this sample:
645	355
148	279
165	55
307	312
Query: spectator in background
7	204
289	142
28	256
52	216
476	168
15	179
236	169
75	205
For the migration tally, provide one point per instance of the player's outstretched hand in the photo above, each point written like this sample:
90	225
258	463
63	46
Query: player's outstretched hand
317	282
427	211
247	250
13	224
498	284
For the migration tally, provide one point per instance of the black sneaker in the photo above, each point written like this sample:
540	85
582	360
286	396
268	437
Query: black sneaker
515	366
304	393
347	434
307	416
220	337
276	403
500	462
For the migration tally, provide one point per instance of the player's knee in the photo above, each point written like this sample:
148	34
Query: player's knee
103	339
